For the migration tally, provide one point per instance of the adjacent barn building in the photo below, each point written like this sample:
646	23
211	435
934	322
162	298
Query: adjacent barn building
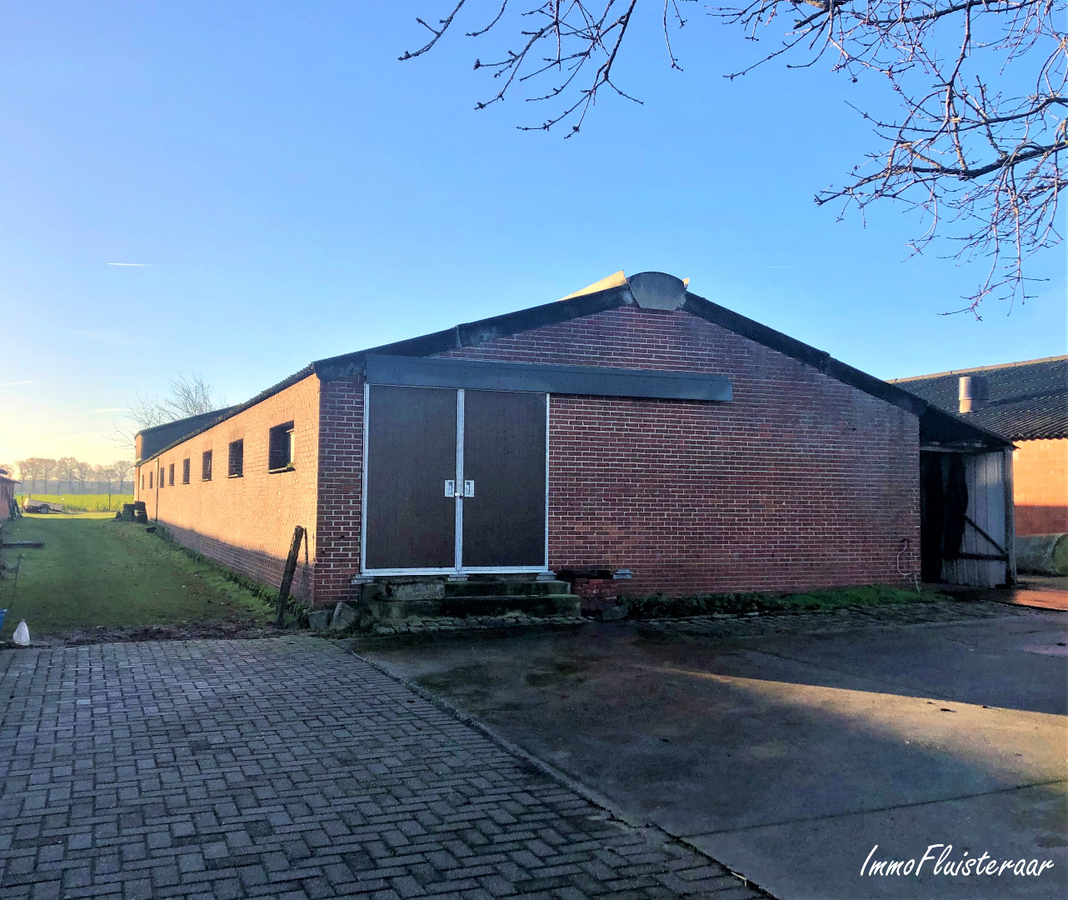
7	494
637	433
1026	403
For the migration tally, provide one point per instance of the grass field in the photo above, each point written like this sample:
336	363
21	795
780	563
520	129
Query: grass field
94	570
83	502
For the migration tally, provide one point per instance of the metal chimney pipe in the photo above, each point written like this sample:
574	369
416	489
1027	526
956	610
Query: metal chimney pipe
974	393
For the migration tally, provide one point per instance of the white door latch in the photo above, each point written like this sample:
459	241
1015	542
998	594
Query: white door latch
450	488
469	489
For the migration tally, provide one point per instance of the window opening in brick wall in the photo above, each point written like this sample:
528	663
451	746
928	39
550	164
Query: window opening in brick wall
185	470
205	466
237	459
281	448
150	481
142	481
162	478
170	475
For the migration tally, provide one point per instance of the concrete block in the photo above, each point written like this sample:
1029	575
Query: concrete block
417	590
345	616
319	619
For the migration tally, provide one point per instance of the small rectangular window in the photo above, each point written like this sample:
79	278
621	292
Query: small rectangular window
142	481
205	466
281	448
170	475
185	471
237	459
150	481
162	480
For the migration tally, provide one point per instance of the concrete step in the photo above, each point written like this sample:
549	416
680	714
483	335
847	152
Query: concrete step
485	605
501	588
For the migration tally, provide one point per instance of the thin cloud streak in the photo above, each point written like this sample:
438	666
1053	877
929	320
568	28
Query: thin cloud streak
111	409
13	383
135	265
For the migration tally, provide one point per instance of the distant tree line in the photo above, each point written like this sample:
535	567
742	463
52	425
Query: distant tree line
71	476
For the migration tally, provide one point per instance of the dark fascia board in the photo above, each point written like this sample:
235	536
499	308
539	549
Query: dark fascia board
818	359
231	412
593	381
940	427
351	365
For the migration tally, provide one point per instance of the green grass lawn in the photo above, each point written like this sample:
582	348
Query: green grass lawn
94	570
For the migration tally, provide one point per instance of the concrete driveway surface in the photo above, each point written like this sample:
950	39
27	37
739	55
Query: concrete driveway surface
790	751
288	768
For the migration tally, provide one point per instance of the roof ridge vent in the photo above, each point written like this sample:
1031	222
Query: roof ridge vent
658	290
650	290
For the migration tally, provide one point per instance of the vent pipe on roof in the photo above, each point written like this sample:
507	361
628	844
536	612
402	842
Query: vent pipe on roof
974	393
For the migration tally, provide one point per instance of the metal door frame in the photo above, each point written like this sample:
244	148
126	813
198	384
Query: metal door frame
458	568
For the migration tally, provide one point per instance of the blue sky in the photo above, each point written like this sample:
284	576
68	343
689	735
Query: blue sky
295	192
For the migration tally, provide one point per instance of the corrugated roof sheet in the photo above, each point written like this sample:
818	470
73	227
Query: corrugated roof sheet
1028	400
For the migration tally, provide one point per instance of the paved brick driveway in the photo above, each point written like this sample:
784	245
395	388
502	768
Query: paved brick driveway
286	767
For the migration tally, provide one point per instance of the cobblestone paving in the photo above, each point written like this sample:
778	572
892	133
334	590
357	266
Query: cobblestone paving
287	768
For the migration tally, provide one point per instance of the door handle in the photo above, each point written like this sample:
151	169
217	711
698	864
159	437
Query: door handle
469	489
450	488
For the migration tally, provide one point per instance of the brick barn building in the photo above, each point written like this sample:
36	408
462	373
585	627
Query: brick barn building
634	430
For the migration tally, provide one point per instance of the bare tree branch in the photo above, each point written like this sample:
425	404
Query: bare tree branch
978	152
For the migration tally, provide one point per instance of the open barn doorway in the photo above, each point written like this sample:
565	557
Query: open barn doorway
965	531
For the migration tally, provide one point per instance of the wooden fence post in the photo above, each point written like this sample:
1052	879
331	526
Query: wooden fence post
287	574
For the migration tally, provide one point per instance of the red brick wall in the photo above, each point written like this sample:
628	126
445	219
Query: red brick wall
245	523
801	482
340	489
1040	484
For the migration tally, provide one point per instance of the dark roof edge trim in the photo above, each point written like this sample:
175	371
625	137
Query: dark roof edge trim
351	365
937	418
587	381
217	413
233	411
818	359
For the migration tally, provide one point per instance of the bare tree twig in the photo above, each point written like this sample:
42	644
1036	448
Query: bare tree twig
978	153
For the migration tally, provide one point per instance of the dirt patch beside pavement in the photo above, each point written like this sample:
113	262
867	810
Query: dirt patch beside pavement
190	631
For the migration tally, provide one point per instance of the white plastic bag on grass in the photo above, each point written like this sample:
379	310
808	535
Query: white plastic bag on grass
21	637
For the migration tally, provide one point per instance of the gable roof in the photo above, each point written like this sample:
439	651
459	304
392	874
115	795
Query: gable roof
648	289
1028	400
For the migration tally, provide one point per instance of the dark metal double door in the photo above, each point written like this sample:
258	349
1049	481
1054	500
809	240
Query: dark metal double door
455	481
